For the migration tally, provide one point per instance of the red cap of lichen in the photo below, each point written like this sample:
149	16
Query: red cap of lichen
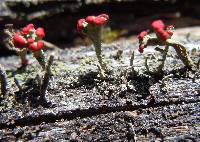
90	19
18	40
27	29
30	40
40	44
80	25
101	19
40	32
105	16
142	35
30	26
159	27
163	34
36	46
158	24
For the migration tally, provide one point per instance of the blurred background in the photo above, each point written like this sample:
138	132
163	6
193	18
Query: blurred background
128	17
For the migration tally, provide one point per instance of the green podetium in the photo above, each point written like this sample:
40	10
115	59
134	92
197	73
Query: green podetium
92	27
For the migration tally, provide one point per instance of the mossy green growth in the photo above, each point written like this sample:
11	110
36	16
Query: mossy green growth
91	61
21	75
109	35
59	67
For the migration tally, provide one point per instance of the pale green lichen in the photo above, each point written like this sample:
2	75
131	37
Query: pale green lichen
180	49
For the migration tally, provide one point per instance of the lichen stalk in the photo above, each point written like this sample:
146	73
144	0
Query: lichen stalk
98	51
95	36
146	64
182	53
164	56
46	77
132	58
164	38
91	26
39	55
22	54
178	47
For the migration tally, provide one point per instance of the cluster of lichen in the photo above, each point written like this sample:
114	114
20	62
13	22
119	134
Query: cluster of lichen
163	37
91	27
29	39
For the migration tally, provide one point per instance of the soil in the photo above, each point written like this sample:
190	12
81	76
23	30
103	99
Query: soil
131	104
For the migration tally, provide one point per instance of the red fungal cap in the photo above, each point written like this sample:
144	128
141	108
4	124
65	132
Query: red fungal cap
27	29
80	25
30	40
159	27
101	19
97	20
36	46
158	24
105	16
18	40
90	19
40	44
30	26
163	34
141	48
40	32
33	46
142	35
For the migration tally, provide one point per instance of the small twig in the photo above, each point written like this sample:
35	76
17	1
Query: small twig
132	58
4	82
39	80
198	64
18	84
47	75
146	64
118	55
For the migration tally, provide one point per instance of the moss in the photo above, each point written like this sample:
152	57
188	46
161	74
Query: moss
88	61
112	35
59	67
21	75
